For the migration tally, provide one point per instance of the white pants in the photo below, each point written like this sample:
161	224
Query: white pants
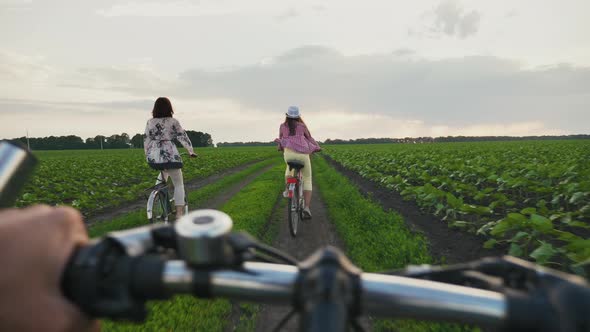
177	181
306	171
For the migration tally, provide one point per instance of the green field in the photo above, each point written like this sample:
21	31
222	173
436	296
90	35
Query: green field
92	180
533	196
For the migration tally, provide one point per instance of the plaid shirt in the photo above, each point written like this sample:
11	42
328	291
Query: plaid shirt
301	142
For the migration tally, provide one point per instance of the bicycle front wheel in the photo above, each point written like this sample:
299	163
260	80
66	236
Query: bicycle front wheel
294	214
159	210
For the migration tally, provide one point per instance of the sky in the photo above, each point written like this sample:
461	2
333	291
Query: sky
355	68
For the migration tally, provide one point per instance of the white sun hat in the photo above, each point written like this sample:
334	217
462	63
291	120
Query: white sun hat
293	112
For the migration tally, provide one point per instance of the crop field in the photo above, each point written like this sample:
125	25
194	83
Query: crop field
532	197
91	180
529	199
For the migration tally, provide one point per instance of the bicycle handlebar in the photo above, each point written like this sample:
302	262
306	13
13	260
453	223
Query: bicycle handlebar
383	295
327	290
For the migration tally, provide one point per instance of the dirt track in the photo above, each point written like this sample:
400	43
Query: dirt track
312	235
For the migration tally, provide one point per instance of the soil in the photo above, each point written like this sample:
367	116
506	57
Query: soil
446	244
312	235
138	204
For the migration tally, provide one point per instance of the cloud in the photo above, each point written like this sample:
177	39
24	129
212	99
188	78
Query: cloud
457	91
288	14
15	3
396	94
17	67
169	9
130	79
451	19
10	105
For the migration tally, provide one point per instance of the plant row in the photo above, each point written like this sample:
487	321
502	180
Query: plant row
532	196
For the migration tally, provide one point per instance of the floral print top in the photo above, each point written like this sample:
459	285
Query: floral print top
160	150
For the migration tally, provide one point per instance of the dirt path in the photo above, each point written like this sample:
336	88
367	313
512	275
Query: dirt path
114	212
455	246
313	234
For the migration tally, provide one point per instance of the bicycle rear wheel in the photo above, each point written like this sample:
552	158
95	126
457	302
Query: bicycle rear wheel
294	214
159	208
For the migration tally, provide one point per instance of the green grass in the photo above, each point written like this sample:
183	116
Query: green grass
250	210
375	239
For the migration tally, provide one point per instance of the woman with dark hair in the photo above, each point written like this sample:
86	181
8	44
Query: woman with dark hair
161	152
297	144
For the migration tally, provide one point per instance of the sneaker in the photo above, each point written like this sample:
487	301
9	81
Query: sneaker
286	193
306	213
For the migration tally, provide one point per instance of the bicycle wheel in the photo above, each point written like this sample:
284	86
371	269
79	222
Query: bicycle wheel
159	208
294	214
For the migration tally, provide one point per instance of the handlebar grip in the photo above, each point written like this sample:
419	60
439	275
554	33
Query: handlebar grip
104	282
16	165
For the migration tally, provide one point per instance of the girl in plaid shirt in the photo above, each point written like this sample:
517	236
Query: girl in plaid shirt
297	144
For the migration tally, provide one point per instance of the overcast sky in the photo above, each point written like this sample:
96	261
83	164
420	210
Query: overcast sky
355	68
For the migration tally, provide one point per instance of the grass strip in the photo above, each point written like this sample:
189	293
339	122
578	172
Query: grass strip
376	240
250	209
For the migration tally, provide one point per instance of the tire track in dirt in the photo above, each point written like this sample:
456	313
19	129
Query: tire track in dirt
444	242
312	235
111	213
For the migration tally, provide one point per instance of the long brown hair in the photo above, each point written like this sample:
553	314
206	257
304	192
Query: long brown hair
162	108
292	123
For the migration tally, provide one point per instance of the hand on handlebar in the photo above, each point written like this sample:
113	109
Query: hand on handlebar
36	245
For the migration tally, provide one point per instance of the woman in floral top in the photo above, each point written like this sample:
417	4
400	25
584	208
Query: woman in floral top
161	152
297	144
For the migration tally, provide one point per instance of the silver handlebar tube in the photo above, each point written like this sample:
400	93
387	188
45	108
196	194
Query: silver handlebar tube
382	295
385	295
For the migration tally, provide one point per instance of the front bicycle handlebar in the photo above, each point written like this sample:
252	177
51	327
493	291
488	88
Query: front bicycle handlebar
326	289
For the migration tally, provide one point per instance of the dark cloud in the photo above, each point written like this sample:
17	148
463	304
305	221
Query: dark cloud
458	91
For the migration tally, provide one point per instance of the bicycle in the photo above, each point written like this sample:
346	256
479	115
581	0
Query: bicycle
160	203
296	201
115	277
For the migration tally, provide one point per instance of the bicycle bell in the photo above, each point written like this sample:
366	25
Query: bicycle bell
202	237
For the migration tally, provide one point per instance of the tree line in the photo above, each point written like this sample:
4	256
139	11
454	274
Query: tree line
451	139
122	141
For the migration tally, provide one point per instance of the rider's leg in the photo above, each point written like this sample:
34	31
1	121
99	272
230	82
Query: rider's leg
177	180
307	183
307	197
